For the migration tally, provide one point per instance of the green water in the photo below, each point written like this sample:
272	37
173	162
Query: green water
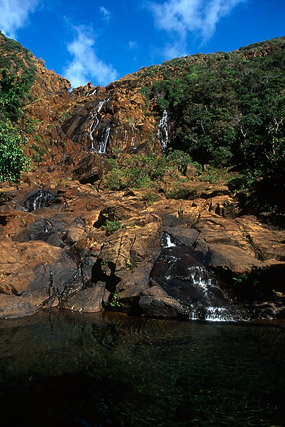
62	369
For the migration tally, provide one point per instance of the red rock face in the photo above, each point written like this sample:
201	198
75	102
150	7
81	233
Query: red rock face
91	118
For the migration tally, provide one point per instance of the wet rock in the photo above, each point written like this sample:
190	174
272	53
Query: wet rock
88	300
12	307
181	271
155	302
185	235
38	199
132	251
54	282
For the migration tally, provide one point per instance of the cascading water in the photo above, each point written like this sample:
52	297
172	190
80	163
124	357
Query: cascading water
180	272
38	200
164	131
91	93
103	141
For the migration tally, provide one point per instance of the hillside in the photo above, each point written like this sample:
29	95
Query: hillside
223	109
102	188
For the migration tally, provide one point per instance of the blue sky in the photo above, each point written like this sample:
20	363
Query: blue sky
103	40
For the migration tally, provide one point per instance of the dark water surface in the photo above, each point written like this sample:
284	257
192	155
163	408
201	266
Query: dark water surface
63	369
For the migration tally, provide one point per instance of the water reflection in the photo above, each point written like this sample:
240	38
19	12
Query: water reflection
72	370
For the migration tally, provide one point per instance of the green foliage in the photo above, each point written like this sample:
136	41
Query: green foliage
241	279
38	153
14	91
182	160
65	116
30	125
177	193
17	74
136	177
114	180
114	302
216	175
162	103
12	159
229	109
150	197
136	171
111	226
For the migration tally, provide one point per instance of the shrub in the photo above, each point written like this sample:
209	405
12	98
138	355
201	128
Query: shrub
182	160
216	175
178	193
136	178
150	197
12	158
38	153
114	180
136	171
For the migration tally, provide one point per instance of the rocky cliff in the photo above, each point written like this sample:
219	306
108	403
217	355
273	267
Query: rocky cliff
80	232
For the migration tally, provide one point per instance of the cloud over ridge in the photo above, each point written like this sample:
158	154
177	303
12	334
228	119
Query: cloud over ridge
14	14
85	64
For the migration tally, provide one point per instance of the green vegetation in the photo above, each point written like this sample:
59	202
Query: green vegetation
228	109
142	171
17	75
150	197
111	226
215	175
182	160
177	193
12	159
114	303
38	153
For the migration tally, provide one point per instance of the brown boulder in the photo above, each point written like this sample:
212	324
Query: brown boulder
91	169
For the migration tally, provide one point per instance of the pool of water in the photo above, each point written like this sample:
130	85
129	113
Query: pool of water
64	369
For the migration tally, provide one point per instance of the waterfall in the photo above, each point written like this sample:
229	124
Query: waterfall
214	304
38	199
95	116
181	272
91	93
102	144
164	130
167	241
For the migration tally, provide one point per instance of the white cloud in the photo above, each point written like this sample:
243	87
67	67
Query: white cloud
14	14
106	13
184	16
85	65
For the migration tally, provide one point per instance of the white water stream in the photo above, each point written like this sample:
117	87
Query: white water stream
206	299
164	130
95	116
